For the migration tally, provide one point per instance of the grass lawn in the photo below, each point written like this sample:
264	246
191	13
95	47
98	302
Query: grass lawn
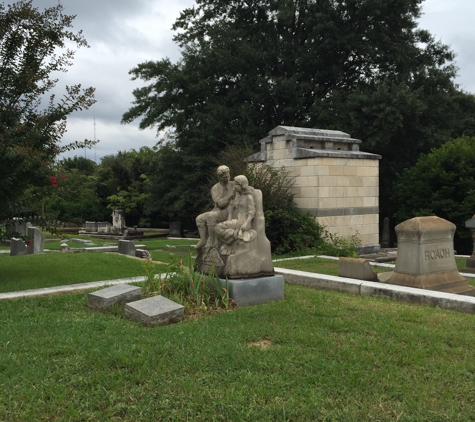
57	269
317	355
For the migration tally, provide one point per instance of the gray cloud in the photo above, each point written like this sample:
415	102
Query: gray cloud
123	33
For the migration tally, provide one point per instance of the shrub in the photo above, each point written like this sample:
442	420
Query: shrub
291	232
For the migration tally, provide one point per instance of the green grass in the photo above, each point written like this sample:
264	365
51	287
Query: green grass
57	269
312	265
329	356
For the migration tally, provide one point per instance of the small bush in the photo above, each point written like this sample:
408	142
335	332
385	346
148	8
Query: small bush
340	246
291	232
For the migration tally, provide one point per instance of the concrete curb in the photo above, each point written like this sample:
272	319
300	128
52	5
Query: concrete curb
441	300
69	288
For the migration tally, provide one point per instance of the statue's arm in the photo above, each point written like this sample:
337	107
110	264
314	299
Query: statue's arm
225	200
251	212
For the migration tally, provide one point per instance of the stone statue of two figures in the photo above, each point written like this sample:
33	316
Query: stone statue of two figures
232	235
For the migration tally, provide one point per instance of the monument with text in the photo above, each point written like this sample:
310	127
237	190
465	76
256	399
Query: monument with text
426	257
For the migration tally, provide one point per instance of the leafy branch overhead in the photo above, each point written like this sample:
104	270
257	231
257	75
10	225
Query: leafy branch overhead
360	66
34	46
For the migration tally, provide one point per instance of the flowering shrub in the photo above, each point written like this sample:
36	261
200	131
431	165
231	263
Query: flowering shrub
54	180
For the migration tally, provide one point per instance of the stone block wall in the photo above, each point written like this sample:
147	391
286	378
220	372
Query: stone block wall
334	181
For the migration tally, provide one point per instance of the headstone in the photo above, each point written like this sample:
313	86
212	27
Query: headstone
37	241
175	229
157	310
17	247
104	227
385	238
425	257
127	247
115	295
118	221
64	247
358	268
91	227
20	226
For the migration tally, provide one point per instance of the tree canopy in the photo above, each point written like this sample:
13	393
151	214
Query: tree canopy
361	66
33	46
441	183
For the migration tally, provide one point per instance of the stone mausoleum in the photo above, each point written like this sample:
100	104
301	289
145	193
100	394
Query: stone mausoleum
334	181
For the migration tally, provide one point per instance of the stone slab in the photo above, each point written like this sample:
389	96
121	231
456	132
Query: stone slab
37	241
157	310
255	291
115	295
358	268
126	247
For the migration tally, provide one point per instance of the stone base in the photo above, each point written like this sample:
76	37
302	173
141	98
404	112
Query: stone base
254	291
358	268
448	282
115	295
157	310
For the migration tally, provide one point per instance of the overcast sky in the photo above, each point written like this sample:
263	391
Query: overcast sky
124	33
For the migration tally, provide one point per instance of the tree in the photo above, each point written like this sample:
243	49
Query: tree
361	66
123	182
33	46
441	183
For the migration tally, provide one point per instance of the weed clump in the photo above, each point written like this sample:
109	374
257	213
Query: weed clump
197	292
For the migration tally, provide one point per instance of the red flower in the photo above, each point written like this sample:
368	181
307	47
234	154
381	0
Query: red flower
63	176
28	242
53	181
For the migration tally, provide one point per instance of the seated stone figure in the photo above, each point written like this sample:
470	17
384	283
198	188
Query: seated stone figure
241	212
222	193
243	250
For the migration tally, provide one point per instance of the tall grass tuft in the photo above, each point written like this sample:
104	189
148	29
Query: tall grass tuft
196	291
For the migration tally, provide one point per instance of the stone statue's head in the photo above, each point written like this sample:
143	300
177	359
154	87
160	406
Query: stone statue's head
223	174
241	183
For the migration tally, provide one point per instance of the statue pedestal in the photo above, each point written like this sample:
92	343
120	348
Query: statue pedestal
254	291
